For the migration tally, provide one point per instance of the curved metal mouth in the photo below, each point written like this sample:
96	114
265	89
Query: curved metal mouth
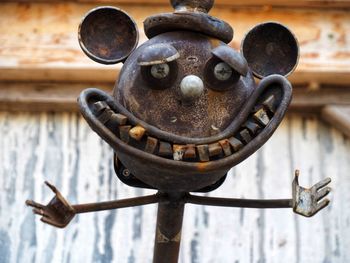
263	111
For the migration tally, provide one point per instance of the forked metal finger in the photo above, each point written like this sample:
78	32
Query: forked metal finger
34	204
322	193
59	197
51	222
322	205
52	187
322	184
39	211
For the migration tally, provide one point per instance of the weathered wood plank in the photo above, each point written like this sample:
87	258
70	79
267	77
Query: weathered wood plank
61	148
339	116
37	96
314	100
296	3
305	150
39	40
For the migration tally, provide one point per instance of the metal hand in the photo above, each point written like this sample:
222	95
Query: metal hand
58	212
308	201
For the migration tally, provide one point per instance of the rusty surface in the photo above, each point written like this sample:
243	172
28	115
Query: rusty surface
309	201
137	133
195	22
58	212
184	111
271	48
167	239
158	54
232	58
108	35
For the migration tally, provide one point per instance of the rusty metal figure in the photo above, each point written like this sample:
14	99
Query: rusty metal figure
184	111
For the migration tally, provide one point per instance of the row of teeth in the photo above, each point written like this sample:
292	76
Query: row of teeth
136	136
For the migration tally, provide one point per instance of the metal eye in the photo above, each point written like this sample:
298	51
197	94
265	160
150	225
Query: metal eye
160	71
222	71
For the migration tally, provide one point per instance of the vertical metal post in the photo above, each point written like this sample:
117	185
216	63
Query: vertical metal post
168	231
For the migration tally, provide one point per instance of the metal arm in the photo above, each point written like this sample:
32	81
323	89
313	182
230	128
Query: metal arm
59	213
306	201
137	201
232	202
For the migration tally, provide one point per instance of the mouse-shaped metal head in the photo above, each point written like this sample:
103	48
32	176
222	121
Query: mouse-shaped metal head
186	107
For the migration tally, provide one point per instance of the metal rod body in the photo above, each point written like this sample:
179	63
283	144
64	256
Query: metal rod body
168	231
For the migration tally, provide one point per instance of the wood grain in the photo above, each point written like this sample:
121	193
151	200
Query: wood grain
39	40
339	116
44	96
62	149
295	3
62	96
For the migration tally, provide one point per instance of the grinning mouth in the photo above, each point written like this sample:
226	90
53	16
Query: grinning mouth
112	121
138	137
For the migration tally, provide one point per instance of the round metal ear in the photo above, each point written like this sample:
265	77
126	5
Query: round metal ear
108	35
270	48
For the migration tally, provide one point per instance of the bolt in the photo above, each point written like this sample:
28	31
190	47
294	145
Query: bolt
160	71
126	173
222	71
191	87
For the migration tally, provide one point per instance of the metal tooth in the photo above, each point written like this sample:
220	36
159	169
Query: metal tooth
225	144
269	103
137	133
203	152
151	144
124	133
261	117
178	152
215	149
165	149
245	135
190	152
236	144
105	116
119	119
100	106
253	127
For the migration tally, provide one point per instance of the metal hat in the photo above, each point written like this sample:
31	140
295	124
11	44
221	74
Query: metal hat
189	15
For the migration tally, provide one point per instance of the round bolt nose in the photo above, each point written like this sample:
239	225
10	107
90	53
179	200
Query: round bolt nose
191	87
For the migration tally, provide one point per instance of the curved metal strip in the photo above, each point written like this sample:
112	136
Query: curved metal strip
233	58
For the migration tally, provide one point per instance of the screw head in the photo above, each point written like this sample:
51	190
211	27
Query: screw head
126	173
222	71
160	71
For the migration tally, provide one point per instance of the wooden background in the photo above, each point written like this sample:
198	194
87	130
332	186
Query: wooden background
61	148
42	70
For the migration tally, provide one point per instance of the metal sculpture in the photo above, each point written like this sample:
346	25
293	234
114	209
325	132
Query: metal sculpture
184	111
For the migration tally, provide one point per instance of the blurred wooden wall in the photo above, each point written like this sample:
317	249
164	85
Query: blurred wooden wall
62	149
42	137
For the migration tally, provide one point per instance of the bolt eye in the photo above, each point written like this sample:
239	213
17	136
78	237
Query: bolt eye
160	76
222	71
160	71
219	75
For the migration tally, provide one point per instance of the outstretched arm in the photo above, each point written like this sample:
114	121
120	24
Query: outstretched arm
306	201
58	212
